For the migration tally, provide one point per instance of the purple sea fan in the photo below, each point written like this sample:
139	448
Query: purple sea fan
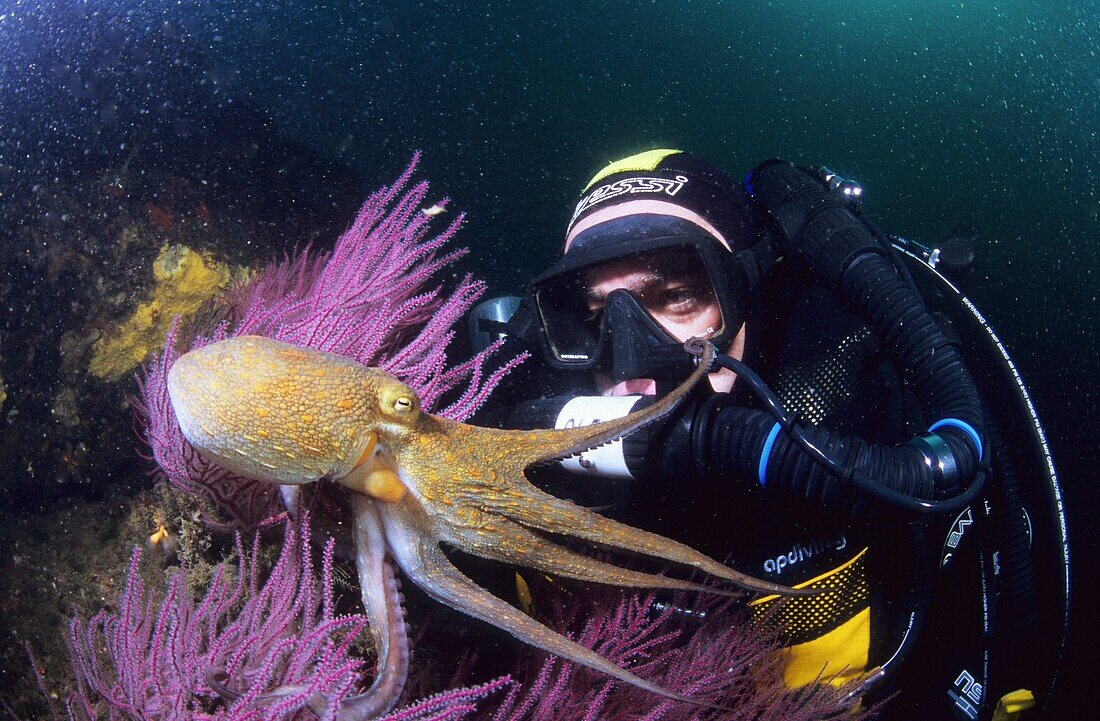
244	637
372	298
146	663
705	648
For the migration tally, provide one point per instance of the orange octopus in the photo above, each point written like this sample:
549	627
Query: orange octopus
291	416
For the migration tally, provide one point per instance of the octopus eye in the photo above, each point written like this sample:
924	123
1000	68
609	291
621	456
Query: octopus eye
398	402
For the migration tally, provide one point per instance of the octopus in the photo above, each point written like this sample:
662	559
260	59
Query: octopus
417	482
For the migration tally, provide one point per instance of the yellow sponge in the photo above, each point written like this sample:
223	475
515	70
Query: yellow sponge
185	280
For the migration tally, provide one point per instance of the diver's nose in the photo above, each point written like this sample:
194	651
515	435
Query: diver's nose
640	346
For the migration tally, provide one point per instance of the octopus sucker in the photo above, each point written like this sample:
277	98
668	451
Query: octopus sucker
417	480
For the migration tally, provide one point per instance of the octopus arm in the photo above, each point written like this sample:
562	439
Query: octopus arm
548	513
424	562
382	602
509	542
519	449
292	498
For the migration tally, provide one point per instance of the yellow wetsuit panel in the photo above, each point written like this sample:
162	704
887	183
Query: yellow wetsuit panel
837	657
828	635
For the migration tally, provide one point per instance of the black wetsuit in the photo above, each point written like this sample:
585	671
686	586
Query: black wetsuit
824	363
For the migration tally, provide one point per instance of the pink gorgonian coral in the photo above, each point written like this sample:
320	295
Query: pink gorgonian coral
701	646
149	663
374	298
182	659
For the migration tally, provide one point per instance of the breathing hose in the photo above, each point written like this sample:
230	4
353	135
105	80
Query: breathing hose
927	474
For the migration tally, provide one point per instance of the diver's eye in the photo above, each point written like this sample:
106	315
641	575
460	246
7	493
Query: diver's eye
684	298
681	297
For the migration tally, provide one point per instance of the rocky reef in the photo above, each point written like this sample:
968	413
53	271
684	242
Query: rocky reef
145	195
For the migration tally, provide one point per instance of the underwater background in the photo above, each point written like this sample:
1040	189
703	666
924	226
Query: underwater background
249	129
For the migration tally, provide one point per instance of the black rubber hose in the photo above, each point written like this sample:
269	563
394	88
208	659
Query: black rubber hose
834	242
1014	540
822	466
843	251
942	383
735	437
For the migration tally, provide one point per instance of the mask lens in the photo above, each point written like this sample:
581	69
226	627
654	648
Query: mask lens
572	329
674	285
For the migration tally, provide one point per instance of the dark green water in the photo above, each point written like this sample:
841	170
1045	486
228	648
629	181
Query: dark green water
950	113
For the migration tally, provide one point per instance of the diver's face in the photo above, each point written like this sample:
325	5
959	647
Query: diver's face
674	289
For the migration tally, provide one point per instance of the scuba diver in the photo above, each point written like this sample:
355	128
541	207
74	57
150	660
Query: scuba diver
844	442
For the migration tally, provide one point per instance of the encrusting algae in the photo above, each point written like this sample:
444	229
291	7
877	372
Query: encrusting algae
185	280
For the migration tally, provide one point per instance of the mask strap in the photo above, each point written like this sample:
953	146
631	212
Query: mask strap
757	261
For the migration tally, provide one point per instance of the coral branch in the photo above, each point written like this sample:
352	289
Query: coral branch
455	703
245	651
141	663
373	298
276	650
704	648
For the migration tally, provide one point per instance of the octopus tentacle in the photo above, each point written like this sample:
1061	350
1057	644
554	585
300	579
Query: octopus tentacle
382	603
216	679
512	543
292	499
549	513
526	448
292	416
424	562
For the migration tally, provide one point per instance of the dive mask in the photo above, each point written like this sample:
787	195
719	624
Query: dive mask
658	288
